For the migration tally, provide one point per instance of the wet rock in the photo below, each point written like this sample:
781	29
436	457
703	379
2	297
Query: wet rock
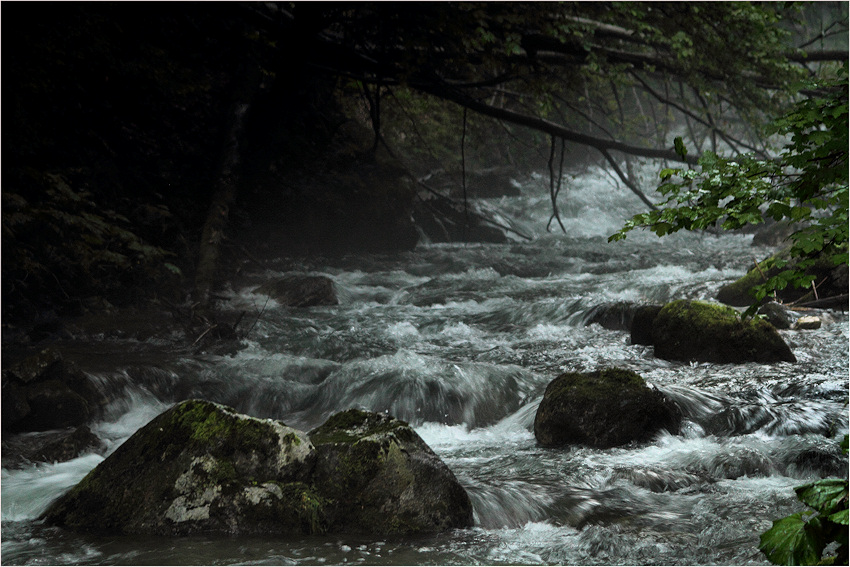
821	462
70	446
644	317
705	332
613	316
45	392
198	467
809	322
662	480
301	291
831	281
384	478
778	315
602	409
203	468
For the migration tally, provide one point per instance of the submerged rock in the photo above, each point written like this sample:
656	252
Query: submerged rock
203	468
705	332
301	291
603	409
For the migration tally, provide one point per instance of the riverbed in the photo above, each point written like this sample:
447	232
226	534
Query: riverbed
460	340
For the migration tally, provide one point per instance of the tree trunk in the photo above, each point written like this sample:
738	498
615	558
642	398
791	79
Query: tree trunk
226	185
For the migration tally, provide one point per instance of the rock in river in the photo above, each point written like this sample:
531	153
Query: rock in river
301	291
202	467
603	409
706	332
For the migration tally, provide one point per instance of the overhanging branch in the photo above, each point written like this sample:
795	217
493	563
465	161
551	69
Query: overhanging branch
548	127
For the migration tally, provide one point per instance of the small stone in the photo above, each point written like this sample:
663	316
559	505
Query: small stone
807	323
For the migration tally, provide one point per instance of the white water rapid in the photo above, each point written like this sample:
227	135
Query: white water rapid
460	341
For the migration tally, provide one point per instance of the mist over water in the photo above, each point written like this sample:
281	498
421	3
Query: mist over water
461	341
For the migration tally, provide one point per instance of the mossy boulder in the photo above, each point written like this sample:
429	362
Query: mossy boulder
203	468
831	280
198	467
384	477
603	409
707	332
301	291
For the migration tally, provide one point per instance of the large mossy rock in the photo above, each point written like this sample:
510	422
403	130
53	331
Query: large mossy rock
198	467
603	409
384	478
706	332
832	281
203	468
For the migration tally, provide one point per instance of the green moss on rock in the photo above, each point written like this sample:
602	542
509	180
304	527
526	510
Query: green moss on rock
202	467
602	409
707	332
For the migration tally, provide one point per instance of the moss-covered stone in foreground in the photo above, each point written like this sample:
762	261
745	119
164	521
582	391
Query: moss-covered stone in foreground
384	477
608	408
202	467
707	332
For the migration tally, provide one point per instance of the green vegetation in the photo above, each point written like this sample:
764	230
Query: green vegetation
807	185
802	538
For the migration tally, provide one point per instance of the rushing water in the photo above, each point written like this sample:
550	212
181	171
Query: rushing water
461	340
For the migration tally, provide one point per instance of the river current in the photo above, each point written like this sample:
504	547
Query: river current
460	340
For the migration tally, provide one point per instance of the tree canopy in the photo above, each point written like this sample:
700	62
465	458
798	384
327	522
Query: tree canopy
124	130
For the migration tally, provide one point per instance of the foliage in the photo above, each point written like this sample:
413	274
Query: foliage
65	240
807	185
801	538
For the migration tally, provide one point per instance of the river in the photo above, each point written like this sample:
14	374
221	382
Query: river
460	341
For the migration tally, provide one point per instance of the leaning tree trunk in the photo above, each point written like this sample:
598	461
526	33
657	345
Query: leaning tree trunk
226	186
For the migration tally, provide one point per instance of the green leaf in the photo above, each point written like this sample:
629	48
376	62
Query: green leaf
172	268
679	147
793	541
823	495
840	517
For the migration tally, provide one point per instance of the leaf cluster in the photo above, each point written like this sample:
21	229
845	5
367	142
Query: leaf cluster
807	185
801	538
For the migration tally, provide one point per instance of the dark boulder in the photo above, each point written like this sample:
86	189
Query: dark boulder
45	392
778	315
69	446
301	291
613	316
642	321
384	478
203	468
608	408
706	332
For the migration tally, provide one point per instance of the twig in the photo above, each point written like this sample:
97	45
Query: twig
204	334
260	314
